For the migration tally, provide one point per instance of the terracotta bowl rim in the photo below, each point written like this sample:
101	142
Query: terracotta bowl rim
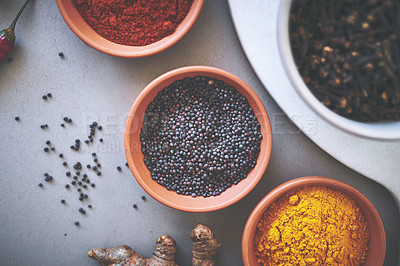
69	13
290	185
209	204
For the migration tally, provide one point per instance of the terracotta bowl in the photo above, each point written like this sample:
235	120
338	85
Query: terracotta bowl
377	242
171	198
90	37
375	130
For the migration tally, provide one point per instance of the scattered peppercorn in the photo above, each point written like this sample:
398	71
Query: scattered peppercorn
99	165
46	149
81	210
61	54
95	160
93	185
94	154
88	166
65	163
46	174
62	125
94	168
86	196
73	182
98	173
89	206
72	147
17	118
77	141
84	186
86	141
44	97
42	126
119	168
101	140
48	142
143	198
78	173
81	198
49	95
84	175
40	185
52	148
134	206
68	173
61	155
67	186
100	128
126	164
80	183
62	201
75	177
77	223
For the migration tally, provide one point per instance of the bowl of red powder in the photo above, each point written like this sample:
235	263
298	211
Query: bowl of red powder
130	28
314	220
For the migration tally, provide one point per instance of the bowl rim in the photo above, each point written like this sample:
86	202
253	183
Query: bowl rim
199	70
127	51
375	130
292	184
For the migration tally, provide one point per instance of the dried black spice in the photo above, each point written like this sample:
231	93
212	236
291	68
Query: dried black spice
348	54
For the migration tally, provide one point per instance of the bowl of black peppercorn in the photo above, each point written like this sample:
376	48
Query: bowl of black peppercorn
198	139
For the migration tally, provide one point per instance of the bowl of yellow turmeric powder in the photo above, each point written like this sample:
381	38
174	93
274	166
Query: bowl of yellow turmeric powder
314	220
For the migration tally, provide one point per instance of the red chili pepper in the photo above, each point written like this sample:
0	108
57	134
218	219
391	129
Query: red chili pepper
7	36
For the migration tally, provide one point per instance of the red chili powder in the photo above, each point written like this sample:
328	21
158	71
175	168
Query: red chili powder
133	22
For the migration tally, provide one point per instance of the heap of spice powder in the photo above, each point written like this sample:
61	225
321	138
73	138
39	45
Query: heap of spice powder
313	225
133	22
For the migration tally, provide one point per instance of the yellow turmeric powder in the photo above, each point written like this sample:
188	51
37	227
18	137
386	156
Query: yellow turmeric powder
312	225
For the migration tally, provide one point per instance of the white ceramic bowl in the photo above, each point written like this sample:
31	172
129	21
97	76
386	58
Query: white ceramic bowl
378	130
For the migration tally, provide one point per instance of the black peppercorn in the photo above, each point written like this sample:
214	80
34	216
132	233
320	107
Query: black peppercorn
62	125
17	118
73	182
88	166
46	174
61	54
49	95
77	141
134	206
143	198
84	175
95	160
67	186
81	210
78	173
77	223
94	168
80	183
84	186
46	149
48	142
119	168
44	97
65	163
61	155
62	201
100	128
42	126
101	140
98	173
86	141
68	173
52	148
40	185
93	185
89	206
126	164
75	177
94	154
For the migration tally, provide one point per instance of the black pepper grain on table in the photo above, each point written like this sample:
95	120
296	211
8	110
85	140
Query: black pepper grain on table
200	137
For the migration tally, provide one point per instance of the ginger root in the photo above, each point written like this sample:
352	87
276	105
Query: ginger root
163	255
205	247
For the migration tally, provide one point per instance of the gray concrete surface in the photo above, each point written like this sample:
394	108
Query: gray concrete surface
36	229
